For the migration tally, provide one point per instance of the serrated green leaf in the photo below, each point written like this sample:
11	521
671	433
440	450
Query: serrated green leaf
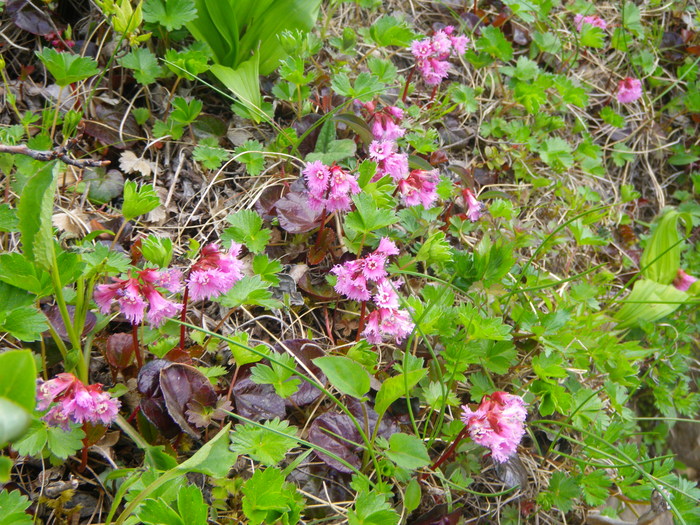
33	441
563	492
25	323
158	512
214	458
143	62
372	508
368	217
493	42
249	154
268	444
396	387
171	14
250	291
138	201
8	218
267	269
67	67
191	505
390	31
62	443
246	228
14	505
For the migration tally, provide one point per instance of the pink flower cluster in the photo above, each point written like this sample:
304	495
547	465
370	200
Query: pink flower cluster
628	90
355	278
593	20
385	122
215	272
134	294
75	402
683	281
330	188
498	423
475	209
431	54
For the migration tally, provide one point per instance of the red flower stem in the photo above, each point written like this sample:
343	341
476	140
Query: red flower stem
320	229
183	318
133	415
84	451
408	81
432	97
360	327
447	453
137	347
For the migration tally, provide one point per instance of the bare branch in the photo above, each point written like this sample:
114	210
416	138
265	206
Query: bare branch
59	152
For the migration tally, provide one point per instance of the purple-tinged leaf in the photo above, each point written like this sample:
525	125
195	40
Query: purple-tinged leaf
119	350
295	214
257	402
387	426
30	18
53	314
148	382
181	386
153	408
337	434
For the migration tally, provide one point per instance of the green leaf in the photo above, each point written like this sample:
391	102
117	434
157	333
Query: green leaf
464	95
407	451
14	421
563	493
557	154
279	375
592	36
34	212
158	512
17	271
547	42
191	505
241	354
267	269
384	70
144	64
138	201
337	150
244	82
595	487
268	444
493	42
214	458
649	301
368	217
6	465
250	291
249	154
25	323
67	67
62	443
210	156
14	505
546	366
371	508
171	14
610	116
246	228
435	249
18	378
661	259
266	497
366	87
185	112
632	18
33	441
396	387
346	375
390	31
8	219
412	496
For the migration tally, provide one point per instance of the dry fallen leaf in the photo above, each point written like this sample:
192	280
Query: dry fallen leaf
130	163
74	223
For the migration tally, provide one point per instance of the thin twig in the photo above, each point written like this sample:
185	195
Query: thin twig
59	152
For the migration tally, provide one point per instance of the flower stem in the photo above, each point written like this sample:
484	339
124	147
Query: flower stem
137	347
361	325
320	229
183	318
447	453
408	81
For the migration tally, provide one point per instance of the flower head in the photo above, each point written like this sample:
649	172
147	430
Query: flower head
593	20
419	188
628	90
475	208
215	272
683	281
498	423
329	187
75	402
432	53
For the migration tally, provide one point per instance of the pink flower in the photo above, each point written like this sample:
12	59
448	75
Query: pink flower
593	20
386	296
387	247
381	149
395	165
317	176
135	294
431	54
373	266
474	207
628	90
419	188
498	423
386	323
75	402
159	307
214	273
351	282
683	281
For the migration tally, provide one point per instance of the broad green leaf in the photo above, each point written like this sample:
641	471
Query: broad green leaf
371	508
191	505
337	150
67	67
493	42
365	88
346	375
268	498
18	378
25	323
158	512
34	211
244	83
368	217
249	153
214	458
412	496
138	201
562	493
391	31
632	18
14	421
397	387
249	290
8	218
408	451
661	259
6	465
171	14
62	443
33	441
278	374
649	301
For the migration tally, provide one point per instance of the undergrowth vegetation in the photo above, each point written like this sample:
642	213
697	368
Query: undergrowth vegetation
285	261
